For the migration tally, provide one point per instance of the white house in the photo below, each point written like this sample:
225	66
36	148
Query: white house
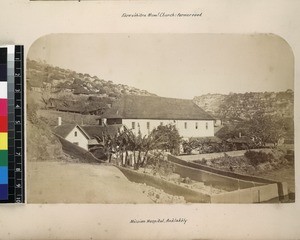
83	136
74	134
144	113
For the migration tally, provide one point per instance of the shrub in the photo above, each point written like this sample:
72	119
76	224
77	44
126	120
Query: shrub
187	180
257	158
160	166
203	161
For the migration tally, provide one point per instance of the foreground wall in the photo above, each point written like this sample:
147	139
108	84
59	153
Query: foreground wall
249	195
214	180
258	194
210	156
217	172
228	181
168	187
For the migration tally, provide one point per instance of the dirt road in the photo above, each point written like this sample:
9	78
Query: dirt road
57	182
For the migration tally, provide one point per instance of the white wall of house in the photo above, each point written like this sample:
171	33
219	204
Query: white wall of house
78	138
186	128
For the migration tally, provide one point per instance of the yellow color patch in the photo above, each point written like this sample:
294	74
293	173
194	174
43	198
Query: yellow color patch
3	141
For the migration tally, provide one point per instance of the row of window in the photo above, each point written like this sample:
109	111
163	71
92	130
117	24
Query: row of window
161	123
148	125
196	125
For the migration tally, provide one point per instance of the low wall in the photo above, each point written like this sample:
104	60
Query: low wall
168	187
210	156
249	195
223	173
228	181
214	180
256	194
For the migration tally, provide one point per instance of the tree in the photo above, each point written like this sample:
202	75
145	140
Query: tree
232	130
125	141
139	145
169	137
108	143
266	128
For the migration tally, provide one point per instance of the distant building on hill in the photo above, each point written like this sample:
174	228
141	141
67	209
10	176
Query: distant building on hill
144	113
73	106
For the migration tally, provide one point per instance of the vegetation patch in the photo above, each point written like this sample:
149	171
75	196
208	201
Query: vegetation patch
252	163
256	158
129	149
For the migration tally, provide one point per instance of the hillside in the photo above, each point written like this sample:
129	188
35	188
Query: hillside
241	106
69	91
54	92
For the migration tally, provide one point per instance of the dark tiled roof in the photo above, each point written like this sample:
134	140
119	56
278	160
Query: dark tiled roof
150	107
75	106
97	130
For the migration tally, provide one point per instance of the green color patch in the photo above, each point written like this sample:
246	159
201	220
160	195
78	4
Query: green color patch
3	158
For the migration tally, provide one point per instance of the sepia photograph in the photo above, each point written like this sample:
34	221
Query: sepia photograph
160	119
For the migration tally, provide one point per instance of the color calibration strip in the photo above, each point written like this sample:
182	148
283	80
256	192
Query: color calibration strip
11	125
3	126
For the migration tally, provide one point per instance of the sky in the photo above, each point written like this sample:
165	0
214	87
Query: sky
175	65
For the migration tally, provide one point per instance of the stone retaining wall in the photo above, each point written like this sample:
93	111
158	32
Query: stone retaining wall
249	195
209	156
168	187
225	180
214	180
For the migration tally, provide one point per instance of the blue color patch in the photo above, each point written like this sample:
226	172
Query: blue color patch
3	175
3	191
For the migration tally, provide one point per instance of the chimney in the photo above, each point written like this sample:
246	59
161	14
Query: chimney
59	121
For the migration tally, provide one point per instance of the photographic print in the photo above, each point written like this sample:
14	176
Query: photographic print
160	118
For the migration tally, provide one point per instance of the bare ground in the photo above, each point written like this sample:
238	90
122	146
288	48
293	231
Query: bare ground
58	182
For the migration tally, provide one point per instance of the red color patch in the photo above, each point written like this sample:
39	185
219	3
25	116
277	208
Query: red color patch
3	124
